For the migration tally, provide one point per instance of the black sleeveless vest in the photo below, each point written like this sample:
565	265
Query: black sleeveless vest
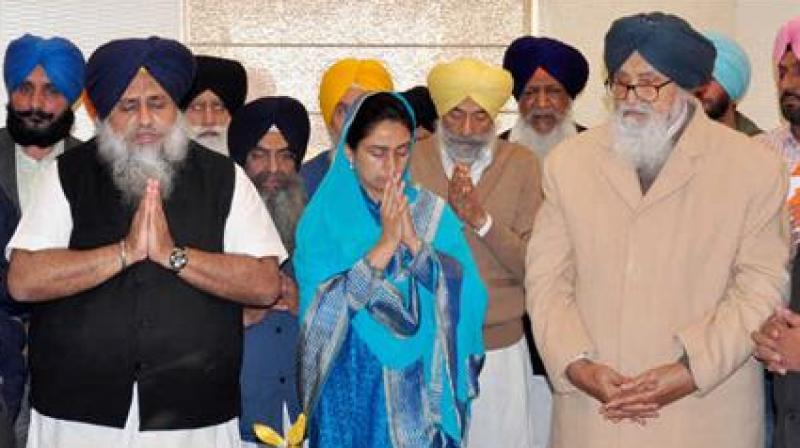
146	325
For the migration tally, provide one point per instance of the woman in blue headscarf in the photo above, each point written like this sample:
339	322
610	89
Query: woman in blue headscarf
391	302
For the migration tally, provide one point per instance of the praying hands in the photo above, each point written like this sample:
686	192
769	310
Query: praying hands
149	236
397	225
463	198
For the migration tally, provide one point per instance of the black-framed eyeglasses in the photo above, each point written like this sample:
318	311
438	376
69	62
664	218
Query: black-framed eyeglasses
644	92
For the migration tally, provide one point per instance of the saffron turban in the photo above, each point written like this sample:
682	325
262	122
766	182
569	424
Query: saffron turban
225	77
451	83
732	67
113	66
561	61
666	42
61	60
256	118
368	74
788	39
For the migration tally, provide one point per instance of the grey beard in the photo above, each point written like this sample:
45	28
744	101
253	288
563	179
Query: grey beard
647	146
132	165
464	150
524	134
285	205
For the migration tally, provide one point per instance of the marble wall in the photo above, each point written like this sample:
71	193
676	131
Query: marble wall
287	44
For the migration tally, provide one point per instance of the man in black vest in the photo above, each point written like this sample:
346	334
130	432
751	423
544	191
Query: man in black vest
138	254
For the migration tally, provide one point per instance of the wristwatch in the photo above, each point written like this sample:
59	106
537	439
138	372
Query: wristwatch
178	259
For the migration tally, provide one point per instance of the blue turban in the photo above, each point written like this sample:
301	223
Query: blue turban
112	67
732	67
665	41
61	60
253	120
561	61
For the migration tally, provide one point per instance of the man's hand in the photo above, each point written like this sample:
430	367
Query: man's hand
778	342
463	198
159	239
647	393
136	241
598	380
289	299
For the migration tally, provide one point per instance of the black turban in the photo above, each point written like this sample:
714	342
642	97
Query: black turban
112	67
419	98
256	118
666	42
561	61
225	77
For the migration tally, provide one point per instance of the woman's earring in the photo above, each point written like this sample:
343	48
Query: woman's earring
350	162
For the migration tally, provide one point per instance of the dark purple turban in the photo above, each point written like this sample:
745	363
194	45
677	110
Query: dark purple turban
256	118
563	62
666	42
225	77
112	67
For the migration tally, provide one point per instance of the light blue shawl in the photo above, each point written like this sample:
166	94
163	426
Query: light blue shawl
438	325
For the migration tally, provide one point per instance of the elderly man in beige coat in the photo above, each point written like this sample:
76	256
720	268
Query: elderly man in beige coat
660	246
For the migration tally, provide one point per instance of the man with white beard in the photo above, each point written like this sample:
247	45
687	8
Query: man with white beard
548	75
660	247
268	137
218	91
495	188
139	252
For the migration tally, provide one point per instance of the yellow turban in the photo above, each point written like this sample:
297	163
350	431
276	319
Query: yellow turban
451	83
368	74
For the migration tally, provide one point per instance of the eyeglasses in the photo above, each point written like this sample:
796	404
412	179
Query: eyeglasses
644	92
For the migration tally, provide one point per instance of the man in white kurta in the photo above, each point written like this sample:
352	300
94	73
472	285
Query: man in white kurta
138	252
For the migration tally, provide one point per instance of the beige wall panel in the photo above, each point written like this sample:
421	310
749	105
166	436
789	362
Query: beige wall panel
379	22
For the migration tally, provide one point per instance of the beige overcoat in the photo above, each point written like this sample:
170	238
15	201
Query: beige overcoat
633	281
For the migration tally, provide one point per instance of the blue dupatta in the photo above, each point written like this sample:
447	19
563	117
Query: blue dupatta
423	322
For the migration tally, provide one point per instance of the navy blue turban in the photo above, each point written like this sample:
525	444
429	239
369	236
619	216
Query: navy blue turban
666	42
256	118
419	98
563	62
61	60
112	67
225	77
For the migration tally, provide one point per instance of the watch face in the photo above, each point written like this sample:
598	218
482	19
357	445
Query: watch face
178	259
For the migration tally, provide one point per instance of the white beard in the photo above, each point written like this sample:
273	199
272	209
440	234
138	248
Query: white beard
218	142
132	165
647	145
524	134
464	150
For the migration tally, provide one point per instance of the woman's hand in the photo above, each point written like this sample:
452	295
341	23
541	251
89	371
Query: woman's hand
409	238
393	205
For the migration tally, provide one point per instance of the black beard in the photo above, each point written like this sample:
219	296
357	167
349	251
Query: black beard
24	135
716	109
285	204
790	113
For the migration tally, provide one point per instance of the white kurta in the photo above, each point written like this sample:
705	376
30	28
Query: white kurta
47	224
